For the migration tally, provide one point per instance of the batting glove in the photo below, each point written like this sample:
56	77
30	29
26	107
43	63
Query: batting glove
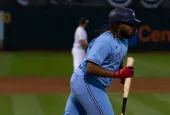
127	71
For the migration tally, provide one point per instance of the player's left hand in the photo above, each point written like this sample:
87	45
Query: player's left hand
127	71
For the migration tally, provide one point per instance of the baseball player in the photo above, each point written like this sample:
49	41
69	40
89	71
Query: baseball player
101	65
80	43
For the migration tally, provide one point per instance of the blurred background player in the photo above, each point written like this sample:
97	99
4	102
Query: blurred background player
80	43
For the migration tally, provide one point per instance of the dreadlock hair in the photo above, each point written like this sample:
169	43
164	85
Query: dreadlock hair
113	27
110	26
102	29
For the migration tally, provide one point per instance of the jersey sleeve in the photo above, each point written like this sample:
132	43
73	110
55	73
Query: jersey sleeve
99	52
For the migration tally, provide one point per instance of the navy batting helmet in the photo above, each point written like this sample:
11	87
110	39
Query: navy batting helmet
125	15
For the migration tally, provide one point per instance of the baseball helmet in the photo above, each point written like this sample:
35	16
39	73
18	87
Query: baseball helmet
125	15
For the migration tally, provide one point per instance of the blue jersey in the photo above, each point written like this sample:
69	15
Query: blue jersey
107	52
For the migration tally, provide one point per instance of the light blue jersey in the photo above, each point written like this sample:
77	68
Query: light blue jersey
107	52
88	92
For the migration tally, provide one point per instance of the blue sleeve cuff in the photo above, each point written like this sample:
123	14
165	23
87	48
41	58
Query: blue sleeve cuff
92	61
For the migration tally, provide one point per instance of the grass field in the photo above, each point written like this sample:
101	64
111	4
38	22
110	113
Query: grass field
60	64
138	104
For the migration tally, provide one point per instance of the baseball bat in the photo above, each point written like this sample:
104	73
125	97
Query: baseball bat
130	61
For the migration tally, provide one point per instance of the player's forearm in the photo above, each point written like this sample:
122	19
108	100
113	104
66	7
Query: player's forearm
99	71
84	43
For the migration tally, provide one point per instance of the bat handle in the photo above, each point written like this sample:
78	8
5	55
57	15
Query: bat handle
124	106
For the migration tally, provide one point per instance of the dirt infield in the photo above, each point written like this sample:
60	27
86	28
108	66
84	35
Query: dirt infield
61	85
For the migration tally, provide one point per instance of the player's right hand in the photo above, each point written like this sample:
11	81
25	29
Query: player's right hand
127	71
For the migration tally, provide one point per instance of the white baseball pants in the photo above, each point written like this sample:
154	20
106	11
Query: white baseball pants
78	56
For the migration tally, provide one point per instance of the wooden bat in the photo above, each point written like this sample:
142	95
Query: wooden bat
130	61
